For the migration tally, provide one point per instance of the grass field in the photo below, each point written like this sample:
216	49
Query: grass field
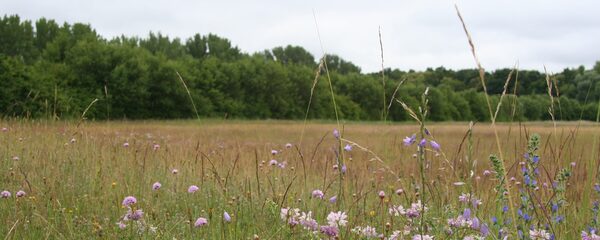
75	178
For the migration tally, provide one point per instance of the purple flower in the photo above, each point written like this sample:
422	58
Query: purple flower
344	168
333	199
5	194
348	148
193	189
409	140
200	222
331	231
156	186
288	145
274	152
434	145
487	172
282	165
226	217
126	144
273	162
134	215
399	191
129	200
21	193
121	225
317	194
422	143
336	133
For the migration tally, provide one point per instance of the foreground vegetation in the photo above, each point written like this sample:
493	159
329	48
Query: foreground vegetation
54	71
359	182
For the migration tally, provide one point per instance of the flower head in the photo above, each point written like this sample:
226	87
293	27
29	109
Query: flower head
274	152
422	142
273	162
129	200
288	145
156	186
317	194
200	222
333	199
226	217
381	194
134	215
193	189
337	219
409	140
434	145
174	171
336	133
125	144
331	231
348	148
5	194
21	193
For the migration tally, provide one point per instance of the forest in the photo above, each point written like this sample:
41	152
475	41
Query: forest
51	70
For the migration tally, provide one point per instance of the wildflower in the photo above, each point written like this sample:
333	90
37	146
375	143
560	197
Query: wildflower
5	129
174	171
129	200
156	186
308	222
539	234
409	140
21	193
282	165
348	148
200	222
344	168
331	231
422	143
573	164
399	191
193	189
155	146
273	162
337	219
591	236
434	145
396	210
5	194
333	199
125	144
459	183
121	225
73	140
464	198
16	158
226	217
487	173
336	133
317	194
381	194
288	145
367	232
133	215
274	152
335	167
422	237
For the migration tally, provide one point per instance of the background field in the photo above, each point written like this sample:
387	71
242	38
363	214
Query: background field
75	176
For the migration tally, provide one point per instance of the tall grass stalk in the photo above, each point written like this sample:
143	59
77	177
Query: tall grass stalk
487	98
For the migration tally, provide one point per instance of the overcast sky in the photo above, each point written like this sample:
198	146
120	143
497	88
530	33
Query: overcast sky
416	34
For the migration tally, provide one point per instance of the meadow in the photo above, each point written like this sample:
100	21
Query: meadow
214	179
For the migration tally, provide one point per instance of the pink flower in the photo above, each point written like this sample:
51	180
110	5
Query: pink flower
381	194
5	194
317	194
288	145
226	217
129	200
156	186
274	152
174	171
21	193
193	189
126	144
155	146
121	225
399	191
5	129
200	222
487	173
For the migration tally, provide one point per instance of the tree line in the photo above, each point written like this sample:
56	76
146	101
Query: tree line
51	70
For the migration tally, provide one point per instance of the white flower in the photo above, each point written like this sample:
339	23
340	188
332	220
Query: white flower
337	219
539	234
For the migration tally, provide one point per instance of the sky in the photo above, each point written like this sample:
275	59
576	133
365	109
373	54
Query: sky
415	34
